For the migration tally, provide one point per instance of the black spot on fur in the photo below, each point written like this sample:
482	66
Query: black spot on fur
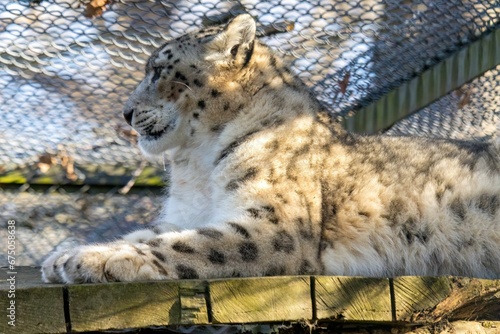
197	83
458	208
217	128
305	234
180	76
422	236
225	107
413	232
254	213
275	271
210	233
248	251
306	268
232	147
236	183
488	203
160	268
193	67
176	61
240	230
181	247
159	256
272	61
216	257
214	93
409	236
154	242
140	252
283	242
271	214
264	212
273	146
196	115
166	52
304	229
395	208
185	272
201	104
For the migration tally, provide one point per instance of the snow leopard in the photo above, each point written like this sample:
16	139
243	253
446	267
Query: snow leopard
263	181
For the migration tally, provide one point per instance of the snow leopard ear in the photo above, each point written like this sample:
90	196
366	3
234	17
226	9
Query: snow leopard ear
235	43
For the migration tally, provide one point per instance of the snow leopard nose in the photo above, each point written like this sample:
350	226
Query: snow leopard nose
127	114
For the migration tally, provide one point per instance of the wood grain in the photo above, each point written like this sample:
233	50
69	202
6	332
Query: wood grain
353	298
414	295
263	299
193	303
95	307
39	306
422	301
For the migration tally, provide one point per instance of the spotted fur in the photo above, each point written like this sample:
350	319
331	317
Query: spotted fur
262	182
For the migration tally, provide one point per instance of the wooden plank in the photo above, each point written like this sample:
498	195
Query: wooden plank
97	307
265	299
45	308
431	299
353	298
38	307
414	295
471	298
193	302
102	175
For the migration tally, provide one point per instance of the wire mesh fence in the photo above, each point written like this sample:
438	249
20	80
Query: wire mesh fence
67	67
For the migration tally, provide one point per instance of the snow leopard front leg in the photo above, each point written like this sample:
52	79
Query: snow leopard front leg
232	249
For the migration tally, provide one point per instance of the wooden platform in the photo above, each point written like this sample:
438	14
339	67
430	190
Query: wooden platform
57	308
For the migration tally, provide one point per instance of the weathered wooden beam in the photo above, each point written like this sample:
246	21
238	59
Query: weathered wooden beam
432	299
123	305
414	296
269	299
94	175
353	298
401	301
37	307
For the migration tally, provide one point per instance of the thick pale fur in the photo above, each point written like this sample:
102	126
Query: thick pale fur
263	183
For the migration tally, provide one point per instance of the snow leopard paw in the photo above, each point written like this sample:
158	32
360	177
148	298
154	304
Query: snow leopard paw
119	261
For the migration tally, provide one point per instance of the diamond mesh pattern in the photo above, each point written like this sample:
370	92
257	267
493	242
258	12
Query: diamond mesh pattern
65	76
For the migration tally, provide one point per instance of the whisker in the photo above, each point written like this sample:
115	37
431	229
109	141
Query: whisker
182	83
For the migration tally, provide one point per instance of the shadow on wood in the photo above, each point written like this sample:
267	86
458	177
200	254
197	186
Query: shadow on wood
401	301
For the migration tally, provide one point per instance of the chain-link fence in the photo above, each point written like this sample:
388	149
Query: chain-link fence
68	66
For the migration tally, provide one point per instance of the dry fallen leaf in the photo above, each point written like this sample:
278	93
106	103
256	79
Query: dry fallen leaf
45	162
344	83
128	133
95	8
68	163
465	98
